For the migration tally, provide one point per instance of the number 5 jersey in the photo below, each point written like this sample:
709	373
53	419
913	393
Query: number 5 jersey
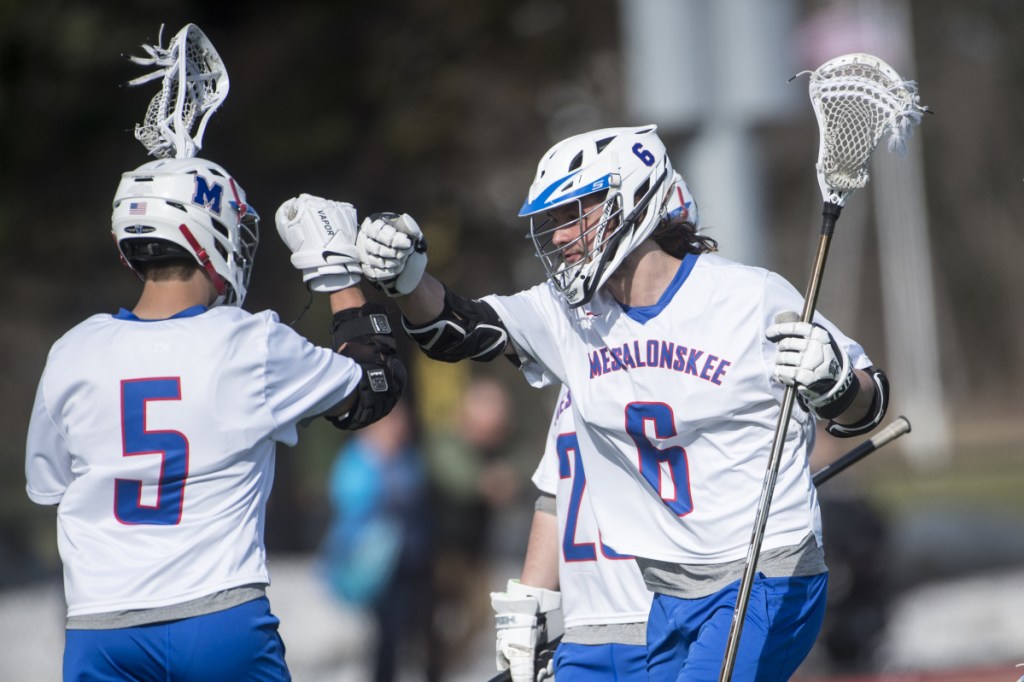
157	440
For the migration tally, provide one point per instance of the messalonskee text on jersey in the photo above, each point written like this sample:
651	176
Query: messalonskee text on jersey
658	354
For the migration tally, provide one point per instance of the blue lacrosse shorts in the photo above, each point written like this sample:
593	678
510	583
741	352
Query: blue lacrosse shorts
240	643
687	638
612	662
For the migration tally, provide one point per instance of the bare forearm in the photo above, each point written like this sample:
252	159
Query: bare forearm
349	297
540	567
425	302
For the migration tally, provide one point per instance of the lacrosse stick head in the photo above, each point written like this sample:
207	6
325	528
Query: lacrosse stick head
858	99
194	83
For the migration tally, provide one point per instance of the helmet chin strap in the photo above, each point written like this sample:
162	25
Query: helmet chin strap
204	260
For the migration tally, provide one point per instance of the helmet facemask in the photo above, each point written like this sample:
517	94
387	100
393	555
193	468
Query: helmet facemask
568	264
244	255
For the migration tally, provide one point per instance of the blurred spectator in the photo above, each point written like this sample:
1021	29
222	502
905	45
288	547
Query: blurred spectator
469	482
858	559
377	553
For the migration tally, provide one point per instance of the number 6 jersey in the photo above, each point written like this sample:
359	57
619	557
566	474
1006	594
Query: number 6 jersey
157	440
675	408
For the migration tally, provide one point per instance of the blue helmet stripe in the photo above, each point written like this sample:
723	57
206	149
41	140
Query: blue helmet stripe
544	200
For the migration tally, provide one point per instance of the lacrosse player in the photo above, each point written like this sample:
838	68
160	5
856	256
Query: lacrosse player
604	602
154	429
677	369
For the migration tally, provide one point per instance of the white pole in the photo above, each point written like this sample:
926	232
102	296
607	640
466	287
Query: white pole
911	326
911	329
708	73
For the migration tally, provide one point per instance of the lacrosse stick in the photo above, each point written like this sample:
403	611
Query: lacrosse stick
887	435
195	83
857	99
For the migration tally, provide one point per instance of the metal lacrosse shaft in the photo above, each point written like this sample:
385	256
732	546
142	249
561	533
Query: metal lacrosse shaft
830	214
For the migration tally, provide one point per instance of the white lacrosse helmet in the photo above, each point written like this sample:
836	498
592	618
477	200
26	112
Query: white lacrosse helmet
188	207
680	203
631	167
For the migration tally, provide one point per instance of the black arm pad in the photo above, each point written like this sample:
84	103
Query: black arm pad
464	329
366	336
875	415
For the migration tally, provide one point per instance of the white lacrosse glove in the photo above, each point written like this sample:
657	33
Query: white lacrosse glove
520	617
392	252
811	360
321	235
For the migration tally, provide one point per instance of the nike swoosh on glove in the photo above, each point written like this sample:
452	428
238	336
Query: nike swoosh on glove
321	235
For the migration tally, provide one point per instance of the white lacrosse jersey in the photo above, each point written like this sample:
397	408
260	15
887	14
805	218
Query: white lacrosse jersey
675	408
599	586
157	439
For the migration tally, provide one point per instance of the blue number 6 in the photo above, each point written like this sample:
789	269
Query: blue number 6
651	457
138	440
644	155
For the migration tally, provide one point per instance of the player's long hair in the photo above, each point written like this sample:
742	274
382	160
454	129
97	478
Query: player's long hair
679	236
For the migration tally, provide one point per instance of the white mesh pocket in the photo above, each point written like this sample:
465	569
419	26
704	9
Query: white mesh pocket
857	99
195	82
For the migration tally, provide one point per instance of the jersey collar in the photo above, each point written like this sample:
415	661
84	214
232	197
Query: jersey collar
642	314
195	310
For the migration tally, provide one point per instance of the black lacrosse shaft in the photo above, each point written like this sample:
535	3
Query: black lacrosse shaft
899	427
855	455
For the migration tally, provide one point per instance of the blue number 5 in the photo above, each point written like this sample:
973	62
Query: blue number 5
138	440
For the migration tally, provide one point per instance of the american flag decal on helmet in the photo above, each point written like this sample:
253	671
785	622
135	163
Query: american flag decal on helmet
137	208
